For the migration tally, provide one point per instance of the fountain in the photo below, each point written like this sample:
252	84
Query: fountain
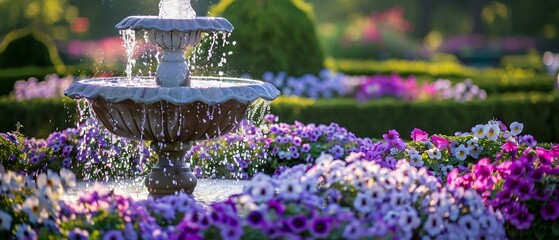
172	109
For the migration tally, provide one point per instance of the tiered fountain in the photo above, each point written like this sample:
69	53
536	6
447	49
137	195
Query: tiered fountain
172	109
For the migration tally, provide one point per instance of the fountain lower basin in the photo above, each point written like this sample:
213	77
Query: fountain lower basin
172	118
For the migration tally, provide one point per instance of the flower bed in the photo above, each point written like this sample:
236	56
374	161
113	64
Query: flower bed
492	177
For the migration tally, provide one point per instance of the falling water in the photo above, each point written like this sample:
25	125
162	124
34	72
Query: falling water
176	9
129	43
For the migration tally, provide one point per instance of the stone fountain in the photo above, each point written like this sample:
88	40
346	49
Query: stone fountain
173	109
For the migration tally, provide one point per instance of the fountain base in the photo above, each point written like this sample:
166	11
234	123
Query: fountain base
172	174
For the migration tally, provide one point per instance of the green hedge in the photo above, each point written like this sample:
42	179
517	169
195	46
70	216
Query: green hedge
493	80
539	113
39	117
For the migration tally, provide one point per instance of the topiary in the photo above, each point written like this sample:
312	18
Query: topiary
28	47
269	35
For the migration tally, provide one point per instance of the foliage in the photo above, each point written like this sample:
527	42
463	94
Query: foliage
269	35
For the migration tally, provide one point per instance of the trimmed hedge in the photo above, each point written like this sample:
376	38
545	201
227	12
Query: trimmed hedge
538	111
39	117
492	80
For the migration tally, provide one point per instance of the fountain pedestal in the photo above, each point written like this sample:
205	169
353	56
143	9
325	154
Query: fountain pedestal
171	174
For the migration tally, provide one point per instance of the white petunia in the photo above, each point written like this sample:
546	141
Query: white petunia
34	211
461	152
433	224
479	131
416	160
409	220
5	221
472	143
516	128
469	224
68	178
50	180
262	192
434	153
492	131
290	189
476	151
363	203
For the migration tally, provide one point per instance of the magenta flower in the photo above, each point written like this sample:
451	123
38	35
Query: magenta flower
550	211
419	135
440	142
509	147
545	156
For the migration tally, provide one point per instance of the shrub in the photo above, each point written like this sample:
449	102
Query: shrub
270	35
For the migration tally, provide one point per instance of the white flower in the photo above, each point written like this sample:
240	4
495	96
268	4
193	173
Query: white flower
291	189
434	153
453	146
324	157
472	143
68	178
461	152
262	191
476	151
469	224
409	220
376	194
5	221
479	131
363	203
516	128
492	131
433	225
50	180
34	211
416	160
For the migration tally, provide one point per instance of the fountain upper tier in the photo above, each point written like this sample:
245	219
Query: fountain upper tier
210	90
203	24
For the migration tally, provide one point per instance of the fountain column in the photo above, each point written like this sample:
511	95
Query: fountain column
171	174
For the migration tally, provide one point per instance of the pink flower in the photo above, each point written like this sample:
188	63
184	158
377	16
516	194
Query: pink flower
419	135
440	142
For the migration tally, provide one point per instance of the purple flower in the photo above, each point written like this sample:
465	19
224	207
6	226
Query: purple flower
550	211
277	206
320	226
391	135
78	234
231	233
305	148
528	140
524	189
298	223
255	218
419	135
337	151
113	235
522	220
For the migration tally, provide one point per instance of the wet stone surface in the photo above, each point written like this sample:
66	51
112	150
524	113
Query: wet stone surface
207	190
